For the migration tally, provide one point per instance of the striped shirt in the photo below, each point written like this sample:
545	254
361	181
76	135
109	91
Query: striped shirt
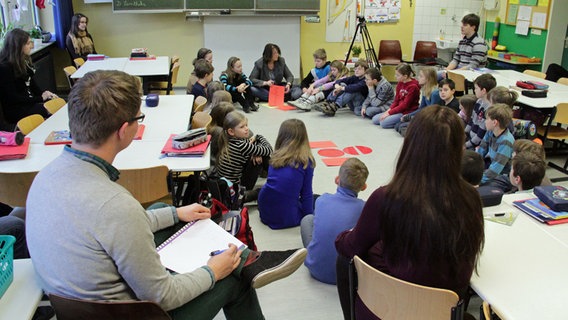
471	52
499	150
232	164
232	84
475	129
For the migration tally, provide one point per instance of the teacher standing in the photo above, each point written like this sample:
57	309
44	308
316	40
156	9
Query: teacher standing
20	96
271	70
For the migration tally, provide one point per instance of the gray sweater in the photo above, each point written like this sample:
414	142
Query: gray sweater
90	239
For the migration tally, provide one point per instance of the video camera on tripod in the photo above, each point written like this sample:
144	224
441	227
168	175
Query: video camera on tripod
368	48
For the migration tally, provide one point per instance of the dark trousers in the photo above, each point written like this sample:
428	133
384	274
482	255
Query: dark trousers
245	99
235	297
14	226
252	171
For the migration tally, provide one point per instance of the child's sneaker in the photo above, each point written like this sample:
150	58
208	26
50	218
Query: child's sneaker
273	265
305	105
330	110
254	106
320	106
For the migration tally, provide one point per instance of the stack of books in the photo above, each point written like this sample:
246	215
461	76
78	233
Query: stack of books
541	212
139	53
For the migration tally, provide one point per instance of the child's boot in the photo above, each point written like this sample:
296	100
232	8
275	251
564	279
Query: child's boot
330	110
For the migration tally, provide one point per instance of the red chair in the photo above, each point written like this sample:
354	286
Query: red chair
390	52
425	50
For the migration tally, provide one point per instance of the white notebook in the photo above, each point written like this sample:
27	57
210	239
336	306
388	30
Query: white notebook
190	247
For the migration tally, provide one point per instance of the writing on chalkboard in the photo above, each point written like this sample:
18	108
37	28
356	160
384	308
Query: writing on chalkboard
134	4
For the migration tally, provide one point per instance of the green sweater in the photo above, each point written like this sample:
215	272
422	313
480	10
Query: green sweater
90	239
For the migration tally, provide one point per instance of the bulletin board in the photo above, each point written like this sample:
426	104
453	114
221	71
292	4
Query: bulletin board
539	11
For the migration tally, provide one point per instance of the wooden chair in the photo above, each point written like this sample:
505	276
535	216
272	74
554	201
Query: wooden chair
69	71
533	73
460	81
390	52
563	81
166	86
200	120
73	309
174	60
15	187
79	62
557	133
146	185
391	298
54	105
199	104
29	123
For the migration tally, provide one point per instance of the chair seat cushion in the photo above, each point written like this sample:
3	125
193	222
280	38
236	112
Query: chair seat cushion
390	61
554	133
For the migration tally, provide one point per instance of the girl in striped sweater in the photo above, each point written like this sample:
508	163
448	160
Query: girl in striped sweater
241	158
238	85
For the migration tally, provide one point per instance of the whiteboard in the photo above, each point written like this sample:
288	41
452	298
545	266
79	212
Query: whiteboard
245	37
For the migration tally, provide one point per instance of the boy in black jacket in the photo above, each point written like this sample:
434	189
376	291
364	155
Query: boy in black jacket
350	92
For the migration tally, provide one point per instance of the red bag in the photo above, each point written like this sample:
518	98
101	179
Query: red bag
525	85
243	230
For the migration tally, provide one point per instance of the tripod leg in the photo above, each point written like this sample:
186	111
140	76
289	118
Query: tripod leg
352	42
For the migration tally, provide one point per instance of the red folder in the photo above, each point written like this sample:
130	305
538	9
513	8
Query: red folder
276	96
197	150
15	152
140	132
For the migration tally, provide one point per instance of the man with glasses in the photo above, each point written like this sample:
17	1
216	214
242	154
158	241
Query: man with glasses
101	244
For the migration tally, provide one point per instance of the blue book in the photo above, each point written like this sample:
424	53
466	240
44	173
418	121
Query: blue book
556	197
540	212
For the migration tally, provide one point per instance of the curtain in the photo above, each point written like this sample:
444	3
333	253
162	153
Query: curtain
62	14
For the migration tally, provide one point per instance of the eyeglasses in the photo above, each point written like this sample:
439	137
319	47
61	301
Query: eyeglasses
140	118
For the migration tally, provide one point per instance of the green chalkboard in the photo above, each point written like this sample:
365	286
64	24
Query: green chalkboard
219	4
288	5
147	5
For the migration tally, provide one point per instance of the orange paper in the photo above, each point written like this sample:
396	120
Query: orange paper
322	144
333	162
276	96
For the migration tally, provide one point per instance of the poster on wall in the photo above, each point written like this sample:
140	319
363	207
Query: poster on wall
379	11
341	20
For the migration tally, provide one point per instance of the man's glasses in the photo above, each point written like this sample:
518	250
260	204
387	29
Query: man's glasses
140	118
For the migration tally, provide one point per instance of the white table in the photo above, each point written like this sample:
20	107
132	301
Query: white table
170	116
557	92
151	67
106	64
22	297
521	268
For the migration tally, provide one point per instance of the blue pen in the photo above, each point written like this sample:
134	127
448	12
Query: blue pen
217	252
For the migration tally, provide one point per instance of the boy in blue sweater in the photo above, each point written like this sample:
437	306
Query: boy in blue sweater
497	145
350	91
333	214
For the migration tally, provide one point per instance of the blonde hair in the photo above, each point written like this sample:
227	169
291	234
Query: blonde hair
218	115
501	94
232	120
353	174
500	112
521	145
320	54
431	81
292	146
343	71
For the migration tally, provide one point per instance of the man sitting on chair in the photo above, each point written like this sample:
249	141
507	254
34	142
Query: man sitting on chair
102	245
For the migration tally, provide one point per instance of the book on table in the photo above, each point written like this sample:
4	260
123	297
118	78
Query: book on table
190	247
540	211
58	137
15	152
196	150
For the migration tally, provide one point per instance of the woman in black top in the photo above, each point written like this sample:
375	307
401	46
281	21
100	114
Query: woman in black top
20	95
79	41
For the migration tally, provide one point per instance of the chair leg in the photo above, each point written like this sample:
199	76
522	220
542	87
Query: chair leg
563	169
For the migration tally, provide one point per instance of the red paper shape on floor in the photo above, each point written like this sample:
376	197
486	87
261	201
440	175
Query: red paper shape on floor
357	150
276	96
333	162
331	153
322	144
286	107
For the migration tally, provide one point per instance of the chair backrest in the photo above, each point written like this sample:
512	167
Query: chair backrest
69	71
15	187
563	81
199	104
391	298
174	60
29	123
174	72
79	62
533	73
390	50
200	120
146	185
72	309
458	79
425	50
190	82
54	105
561	115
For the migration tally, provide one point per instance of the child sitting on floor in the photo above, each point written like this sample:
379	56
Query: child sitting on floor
447	89
333	214
527	171
380	96
287	196
320	88
204	73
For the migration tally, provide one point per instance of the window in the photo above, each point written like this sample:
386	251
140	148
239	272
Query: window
19	14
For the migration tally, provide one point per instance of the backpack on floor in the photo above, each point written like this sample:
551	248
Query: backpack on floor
236	222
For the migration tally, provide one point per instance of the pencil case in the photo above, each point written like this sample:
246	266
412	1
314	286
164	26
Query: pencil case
555	197
534	93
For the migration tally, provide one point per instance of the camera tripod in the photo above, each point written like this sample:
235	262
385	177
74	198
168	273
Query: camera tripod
368	49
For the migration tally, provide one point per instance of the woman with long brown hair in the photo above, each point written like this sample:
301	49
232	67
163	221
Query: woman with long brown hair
426	225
